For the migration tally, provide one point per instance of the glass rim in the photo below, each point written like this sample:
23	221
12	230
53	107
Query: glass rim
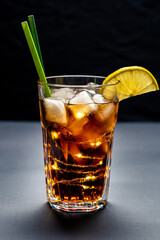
76	86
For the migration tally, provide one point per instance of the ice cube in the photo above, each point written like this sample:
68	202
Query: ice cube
81	98
64	147
92	88
98	98
92	92
76	154
106	117
92	84
82	105
55	111
106	111
65	94
76	126
102	121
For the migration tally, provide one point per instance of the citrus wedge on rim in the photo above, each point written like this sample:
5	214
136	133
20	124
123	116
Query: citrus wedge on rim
129	81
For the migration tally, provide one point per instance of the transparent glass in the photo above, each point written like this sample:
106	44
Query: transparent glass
77	127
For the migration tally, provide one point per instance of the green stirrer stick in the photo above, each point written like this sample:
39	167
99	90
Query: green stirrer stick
33	29
35	57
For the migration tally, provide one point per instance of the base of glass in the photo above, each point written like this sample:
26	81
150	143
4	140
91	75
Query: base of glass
78	207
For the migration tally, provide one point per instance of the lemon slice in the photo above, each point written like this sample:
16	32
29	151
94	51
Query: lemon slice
129	81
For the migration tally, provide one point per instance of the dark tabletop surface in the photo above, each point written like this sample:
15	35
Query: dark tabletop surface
133	210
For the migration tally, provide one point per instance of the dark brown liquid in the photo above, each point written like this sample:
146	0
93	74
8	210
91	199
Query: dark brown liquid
78	155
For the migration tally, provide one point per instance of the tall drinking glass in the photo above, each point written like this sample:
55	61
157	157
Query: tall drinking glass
77	126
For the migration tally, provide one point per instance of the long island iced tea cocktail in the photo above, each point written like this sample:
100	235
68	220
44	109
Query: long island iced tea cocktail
77	126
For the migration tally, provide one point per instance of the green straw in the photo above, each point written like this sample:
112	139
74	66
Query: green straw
32	25
35	57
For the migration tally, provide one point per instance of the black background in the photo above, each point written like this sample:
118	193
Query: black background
78	37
